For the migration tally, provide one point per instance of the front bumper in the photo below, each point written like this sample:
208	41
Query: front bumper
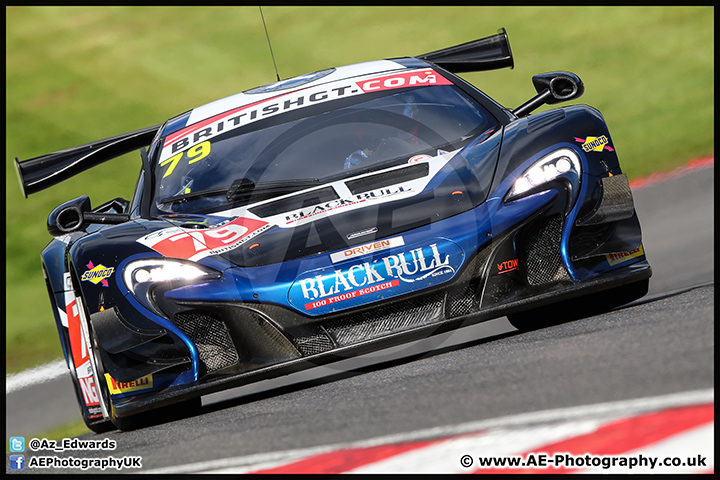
433	324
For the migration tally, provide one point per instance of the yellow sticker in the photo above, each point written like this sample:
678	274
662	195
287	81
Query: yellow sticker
615	258
97	274
125	387
595	144
194	154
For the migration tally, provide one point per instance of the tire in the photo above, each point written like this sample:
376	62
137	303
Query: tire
169	413
95	425
577	308
100	427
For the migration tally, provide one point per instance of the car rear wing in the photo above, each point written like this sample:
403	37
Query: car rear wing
39	173
489	53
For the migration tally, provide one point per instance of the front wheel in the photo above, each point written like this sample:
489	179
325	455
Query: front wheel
86	390
96	425
141	420
577	308
153	417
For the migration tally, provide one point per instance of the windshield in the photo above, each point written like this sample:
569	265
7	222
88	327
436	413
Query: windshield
314	145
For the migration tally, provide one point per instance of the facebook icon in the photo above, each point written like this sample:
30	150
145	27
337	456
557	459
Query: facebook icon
17	462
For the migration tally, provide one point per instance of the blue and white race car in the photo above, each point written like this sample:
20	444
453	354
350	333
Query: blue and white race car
328	215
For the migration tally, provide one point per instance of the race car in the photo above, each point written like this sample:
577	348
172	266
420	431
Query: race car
328	215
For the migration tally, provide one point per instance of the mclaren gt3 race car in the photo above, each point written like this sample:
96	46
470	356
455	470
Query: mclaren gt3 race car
328	215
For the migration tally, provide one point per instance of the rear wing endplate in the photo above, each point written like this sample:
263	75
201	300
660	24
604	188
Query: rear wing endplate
489	53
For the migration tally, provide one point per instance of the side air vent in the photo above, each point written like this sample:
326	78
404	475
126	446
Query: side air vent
211	337
542	251
386	179
295	202
464	298
312	344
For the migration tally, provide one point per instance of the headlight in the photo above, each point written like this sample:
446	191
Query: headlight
141	277
561	163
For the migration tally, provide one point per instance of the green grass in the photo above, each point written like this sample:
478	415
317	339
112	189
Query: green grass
69	430
77	74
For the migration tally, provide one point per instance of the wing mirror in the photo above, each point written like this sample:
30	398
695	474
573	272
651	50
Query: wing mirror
553	87
76	214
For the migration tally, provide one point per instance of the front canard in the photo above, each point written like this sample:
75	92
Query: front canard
384	274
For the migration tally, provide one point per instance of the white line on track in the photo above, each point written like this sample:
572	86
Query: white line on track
36	375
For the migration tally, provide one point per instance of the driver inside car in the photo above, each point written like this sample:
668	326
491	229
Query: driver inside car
387	147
